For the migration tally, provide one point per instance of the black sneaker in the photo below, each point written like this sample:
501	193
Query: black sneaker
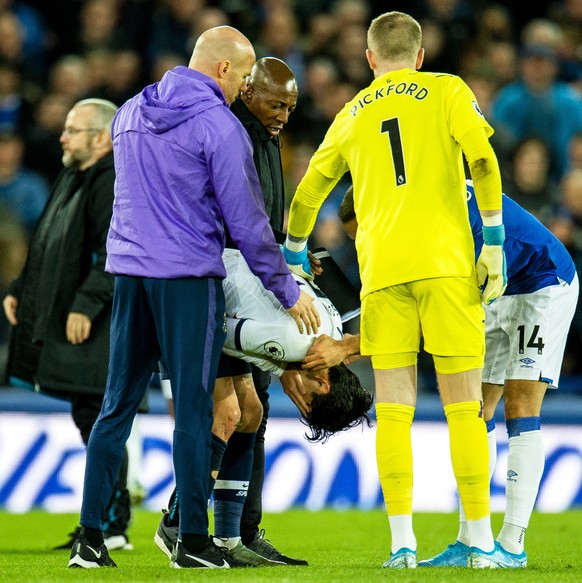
265	549
166	536
67	546
211	557
84	556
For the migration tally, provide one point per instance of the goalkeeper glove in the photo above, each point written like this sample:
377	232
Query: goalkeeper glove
298	262
491	265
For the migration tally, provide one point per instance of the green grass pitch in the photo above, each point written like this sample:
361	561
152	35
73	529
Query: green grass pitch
345	546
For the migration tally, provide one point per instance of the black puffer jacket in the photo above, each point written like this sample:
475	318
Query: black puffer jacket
64	273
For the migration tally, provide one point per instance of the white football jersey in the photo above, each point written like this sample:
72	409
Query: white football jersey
259	329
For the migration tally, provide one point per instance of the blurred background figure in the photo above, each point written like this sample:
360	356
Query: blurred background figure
43	152
540	105
528	180
25	192
13	248
68	77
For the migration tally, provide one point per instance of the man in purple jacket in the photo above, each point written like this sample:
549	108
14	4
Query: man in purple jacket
184	167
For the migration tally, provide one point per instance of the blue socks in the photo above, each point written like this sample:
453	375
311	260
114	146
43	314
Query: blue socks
230	491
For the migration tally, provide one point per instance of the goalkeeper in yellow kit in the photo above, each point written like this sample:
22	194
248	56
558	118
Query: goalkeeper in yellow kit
402	139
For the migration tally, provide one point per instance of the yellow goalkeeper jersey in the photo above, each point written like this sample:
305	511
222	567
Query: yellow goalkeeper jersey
399	138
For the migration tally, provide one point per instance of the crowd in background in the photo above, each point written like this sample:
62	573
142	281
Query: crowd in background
523	61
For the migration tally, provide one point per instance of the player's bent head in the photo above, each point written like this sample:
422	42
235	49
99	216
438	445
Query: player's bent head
345	406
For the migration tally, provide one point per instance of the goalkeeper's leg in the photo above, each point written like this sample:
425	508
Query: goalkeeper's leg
394	450
461	396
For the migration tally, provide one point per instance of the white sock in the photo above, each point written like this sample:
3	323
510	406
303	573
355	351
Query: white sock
402	533
227	543
463	535
480	535
511	538
525	467
492	442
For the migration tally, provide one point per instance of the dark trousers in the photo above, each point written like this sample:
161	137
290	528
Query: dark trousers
253	509
85	408
182	321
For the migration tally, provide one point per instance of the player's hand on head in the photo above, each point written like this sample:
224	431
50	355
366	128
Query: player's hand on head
292	383
305	314
492	272
325	352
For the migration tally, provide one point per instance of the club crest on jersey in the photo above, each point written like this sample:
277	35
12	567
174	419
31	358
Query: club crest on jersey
477	108
274	350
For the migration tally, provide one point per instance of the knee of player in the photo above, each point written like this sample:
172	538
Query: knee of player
227	417
252	414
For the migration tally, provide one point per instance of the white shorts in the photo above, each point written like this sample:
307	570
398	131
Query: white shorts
526	334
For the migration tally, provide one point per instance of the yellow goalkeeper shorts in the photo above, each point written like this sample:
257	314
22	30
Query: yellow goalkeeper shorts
446	311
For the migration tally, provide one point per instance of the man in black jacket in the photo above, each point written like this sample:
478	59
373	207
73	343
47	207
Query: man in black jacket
263	109
60	305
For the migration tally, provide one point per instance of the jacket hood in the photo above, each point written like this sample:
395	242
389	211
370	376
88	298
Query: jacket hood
181	94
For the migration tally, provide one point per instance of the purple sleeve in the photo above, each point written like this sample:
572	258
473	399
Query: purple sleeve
238	193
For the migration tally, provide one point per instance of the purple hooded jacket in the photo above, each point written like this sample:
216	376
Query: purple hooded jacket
184	164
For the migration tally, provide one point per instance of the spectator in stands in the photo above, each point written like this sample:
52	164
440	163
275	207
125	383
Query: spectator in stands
42	150
529	183
481	77
350	46
15	106
310	123
123	79
575	152
22	190
24	34
172	27
13	246
68	77
98	27
539	105
279	37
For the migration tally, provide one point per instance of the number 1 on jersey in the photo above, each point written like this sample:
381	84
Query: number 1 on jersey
392	128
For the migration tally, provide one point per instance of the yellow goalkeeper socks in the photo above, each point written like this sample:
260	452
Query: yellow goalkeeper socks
394	455
470	456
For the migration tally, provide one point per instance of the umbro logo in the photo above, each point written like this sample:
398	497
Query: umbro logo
526	360
511	476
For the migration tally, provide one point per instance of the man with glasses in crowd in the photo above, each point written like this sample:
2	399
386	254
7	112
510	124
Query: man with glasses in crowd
60	305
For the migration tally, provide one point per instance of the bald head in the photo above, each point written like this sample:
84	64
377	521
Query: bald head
226	55
273	75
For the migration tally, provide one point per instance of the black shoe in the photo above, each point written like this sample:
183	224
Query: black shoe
84	556
67	546
265	549
211	557
166	536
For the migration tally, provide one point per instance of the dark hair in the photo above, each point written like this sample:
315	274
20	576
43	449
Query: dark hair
346	211
344	407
